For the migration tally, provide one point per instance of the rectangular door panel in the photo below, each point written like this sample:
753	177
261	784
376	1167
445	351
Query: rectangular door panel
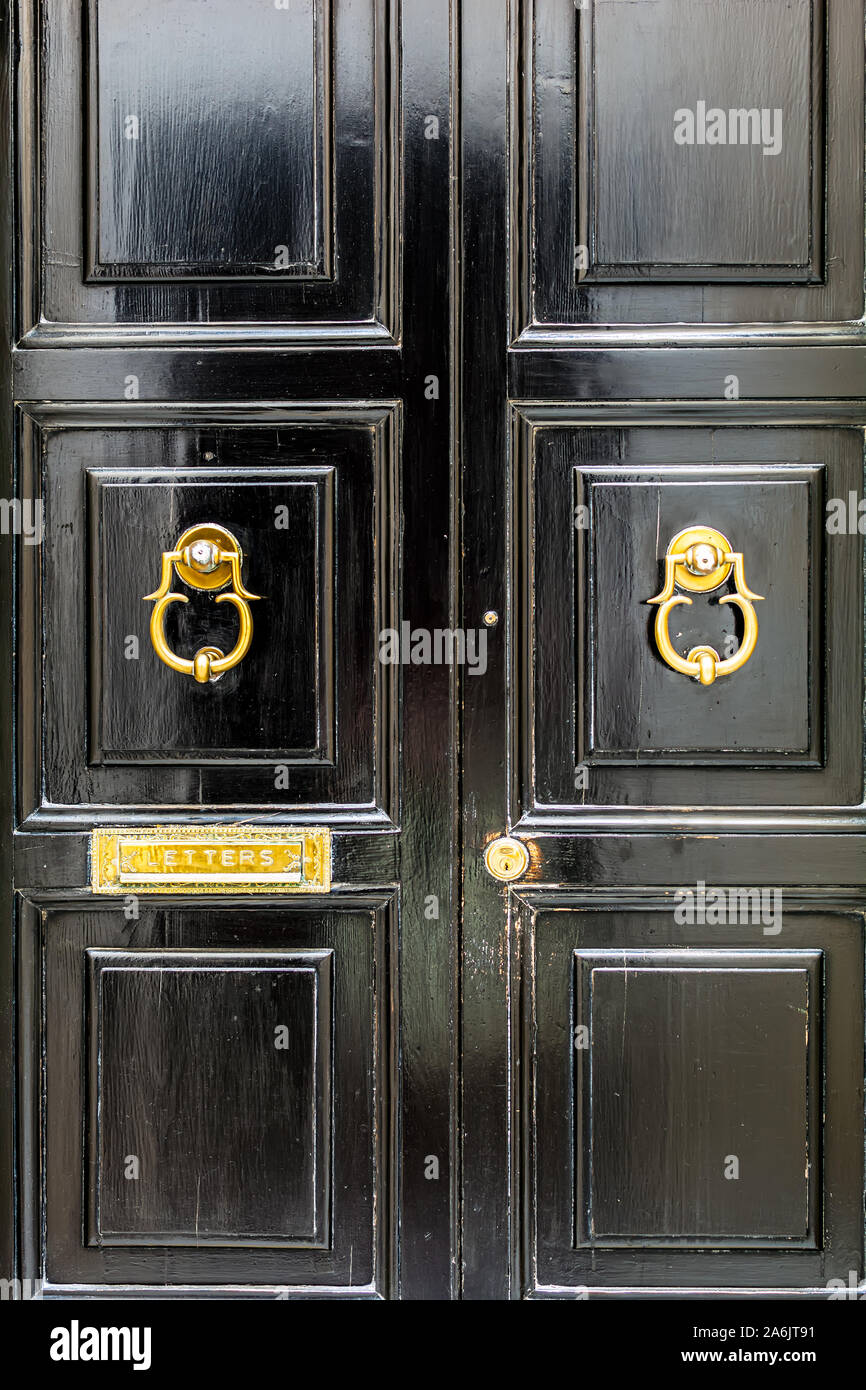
299	720
150	1015
214	171
215	1083
680	214
679	159
161	70
293	508
713	1052
693	1104
613	724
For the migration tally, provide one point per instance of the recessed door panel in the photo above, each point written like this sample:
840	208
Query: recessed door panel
691	1105
299	717
725	104
693	1054
284	522
214	1084
685	163
184	146
614	723
660	712
165	1032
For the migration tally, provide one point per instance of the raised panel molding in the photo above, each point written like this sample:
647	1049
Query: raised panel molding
650	207
119	485
616	222
649	1050
656	714
693	1054
201	167
273	133
166	1030
141	711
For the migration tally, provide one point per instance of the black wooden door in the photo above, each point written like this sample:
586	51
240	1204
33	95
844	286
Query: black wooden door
233	815
461	893
663	977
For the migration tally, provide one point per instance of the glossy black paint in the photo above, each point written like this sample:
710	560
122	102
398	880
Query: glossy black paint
189	352
580	376
444	380
310	496
250	192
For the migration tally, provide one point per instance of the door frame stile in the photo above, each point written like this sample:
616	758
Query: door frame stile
488	1140
9	1262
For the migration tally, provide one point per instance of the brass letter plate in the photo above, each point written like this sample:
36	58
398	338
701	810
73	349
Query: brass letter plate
211	859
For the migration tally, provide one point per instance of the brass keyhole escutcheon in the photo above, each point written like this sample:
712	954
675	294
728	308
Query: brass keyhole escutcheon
506	859
206	557
699	560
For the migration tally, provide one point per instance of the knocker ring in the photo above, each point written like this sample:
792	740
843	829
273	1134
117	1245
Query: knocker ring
206	557
700	559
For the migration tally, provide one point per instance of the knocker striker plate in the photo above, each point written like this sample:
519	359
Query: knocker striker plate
206	557
699	559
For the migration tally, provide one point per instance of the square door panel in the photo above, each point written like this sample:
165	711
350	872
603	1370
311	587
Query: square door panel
610	721
687	162
214	170
213	1092
692	1110
300	720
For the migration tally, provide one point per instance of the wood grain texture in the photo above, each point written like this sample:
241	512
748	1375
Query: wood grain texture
166	1035
460	1162
203	167
698	212
717	236
259	128
704	1042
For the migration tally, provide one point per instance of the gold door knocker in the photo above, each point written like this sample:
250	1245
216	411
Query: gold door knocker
206	557
700	559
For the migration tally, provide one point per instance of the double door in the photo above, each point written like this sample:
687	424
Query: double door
434	609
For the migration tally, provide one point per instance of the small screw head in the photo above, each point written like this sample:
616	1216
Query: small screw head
491	618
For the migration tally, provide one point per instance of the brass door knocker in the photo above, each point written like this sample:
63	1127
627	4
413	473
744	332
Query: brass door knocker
700	559
205	557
